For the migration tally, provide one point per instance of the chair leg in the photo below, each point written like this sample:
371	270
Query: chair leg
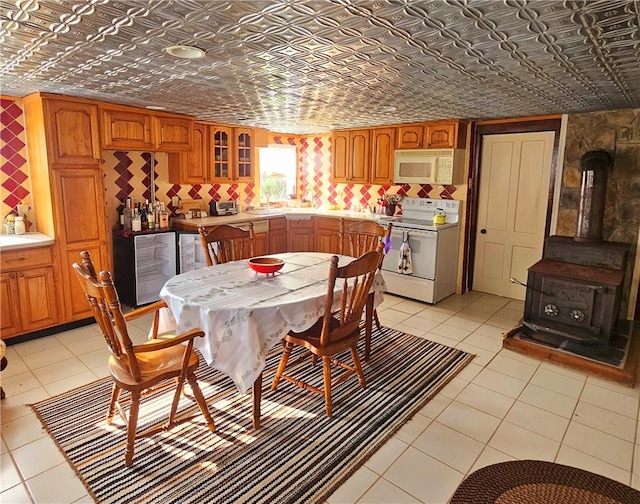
176	400
115	395
197	393
326	376
283	363
356	361
131	431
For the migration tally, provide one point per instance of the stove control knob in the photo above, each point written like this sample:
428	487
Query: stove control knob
577	315
551	310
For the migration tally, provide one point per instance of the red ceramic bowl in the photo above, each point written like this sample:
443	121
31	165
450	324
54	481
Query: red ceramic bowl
266	264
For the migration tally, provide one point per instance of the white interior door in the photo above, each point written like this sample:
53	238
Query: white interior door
512	207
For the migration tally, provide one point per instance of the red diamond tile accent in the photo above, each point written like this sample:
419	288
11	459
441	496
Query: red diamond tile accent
20	177
12	201
10	185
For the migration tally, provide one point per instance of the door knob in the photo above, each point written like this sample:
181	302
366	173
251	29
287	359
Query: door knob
483	231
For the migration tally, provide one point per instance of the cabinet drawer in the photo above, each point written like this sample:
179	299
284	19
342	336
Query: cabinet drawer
279	223
26	258
301	224
329	224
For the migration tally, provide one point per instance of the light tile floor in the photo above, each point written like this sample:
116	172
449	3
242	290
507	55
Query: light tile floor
502	406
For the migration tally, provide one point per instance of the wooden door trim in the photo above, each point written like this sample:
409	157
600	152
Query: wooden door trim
478	131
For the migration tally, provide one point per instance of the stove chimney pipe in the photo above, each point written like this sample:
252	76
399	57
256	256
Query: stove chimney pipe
593	193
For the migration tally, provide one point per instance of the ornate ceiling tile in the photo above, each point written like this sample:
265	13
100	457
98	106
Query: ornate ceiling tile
310	66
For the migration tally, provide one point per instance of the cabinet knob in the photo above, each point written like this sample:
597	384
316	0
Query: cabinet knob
21	275
483	231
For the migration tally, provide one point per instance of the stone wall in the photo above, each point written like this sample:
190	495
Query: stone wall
617	132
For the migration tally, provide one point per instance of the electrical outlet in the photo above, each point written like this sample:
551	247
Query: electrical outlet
175	201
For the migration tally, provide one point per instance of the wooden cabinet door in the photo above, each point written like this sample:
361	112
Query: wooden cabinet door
261	245
125	129
340	156
360	156
72	131
220	153
197	169
80	225
277	235
173	134
10	302
383	141
244	154
446	135
38	305
300	235
328	234
410	136
441	136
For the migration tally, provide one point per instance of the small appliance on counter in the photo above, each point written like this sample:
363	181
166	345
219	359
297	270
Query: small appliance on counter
223	208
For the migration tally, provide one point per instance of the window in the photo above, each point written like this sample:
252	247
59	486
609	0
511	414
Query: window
277	172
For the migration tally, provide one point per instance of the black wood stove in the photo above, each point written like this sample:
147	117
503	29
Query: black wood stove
574	292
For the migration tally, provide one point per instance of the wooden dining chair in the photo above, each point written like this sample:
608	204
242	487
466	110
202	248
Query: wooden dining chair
335	331
361	237
224	243
158	364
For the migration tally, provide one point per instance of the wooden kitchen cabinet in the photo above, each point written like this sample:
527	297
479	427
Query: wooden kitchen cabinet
383	141
351	156
300	235
81	224
410	136
221	153
232	153
129	128
192	167
28	288
71	204
72	130
125	129
244	153
277	235
446	135
328	234
172	133
261	244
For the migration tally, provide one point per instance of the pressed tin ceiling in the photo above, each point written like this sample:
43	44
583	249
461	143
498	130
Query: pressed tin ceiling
297	66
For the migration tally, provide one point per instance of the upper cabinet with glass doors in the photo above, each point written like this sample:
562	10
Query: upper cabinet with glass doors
221	153
245	150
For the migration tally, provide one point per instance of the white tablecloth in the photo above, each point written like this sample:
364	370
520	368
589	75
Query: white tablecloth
244	313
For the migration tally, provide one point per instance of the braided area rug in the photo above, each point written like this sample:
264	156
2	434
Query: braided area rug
297	455
538	482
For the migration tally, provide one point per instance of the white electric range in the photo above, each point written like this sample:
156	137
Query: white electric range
434	250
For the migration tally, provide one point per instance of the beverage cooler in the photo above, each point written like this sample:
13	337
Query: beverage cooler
144	262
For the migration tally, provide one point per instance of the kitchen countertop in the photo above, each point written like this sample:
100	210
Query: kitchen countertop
254	215
28	240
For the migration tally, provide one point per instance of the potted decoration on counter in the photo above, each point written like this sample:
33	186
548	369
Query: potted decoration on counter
389	203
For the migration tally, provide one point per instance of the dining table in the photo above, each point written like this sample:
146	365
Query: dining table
244	314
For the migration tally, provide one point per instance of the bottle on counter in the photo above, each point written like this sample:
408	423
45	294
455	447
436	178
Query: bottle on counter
151	217
164	217
136	221
19	225
121	216
127	215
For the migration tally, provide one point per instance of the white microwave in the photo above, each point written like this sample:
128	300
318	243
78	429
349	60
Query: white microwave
429	166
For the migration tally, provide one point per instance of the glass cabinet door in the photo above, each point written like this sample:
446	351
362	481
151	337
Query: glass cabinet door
221	139
244	148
